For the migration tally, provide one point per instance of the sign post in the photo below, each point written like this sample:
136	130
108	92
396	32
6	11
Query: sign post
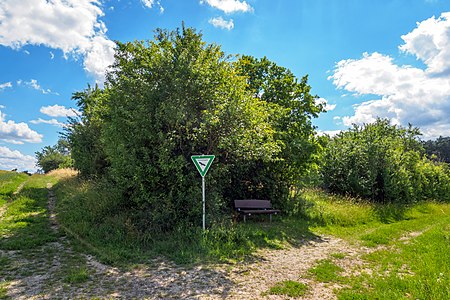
202	163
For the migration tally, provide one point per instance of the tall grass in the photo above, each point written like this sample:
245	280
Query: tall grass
104	223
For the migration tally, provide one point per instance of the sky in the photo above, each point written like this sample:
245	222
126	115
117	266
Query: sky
364	59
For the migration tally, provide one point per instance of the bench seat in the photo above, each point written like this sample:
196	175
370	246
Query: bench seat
250	207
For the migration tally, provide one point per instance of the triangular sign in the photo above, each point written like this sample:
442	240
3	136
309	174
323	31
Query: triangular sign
202	163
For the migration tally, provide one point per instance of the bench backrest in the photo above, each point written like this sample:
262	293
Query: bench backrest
252	204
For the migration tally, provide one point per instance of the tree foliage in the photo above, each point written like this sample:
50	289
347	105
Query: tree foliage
177	96
169	99
84	132
54	157
292	108
383	162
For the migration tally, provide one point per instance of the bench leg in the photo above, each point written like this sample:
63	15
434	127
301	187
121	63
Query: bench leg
245	218
270	218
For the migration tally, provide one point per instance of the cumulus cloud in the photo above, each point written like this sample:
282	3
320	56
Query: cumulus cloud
17	133
229	6
5	85
222	23
70	25
430	42
53	122
59	111
403	93
13	159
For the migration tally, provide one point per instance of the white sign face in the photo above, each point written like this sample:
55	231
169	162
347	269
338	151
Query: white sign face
202	163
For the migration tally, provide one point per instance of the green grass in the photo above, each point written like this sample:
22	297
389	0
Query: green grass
288	288
326	271
77	275
414	262
24	224
10	181
3	291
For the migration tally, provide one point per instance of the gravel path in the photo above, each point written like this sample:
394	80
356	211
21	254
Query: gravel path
43	273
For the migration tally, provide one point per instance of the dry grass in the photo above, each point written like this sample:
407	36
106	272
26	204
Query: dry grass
63	173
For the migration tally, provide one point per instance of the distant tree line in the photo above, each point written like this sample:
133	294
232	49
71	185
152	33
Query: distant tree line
438	149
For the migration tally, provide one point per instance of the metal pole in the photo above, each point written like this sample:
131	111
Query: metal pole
203	190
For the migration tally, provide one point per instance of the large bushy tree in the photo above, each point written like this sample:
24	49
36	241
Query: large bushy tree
171	98
177	96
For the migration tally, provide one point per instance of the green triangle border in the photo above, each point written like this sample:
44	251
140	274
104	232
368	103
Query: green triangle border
199	169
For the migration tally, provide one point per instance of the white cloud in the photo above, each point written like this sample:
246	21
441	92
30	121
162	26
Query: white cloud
150	3
430	42
325	104
35	85
403	93
5	85
49	122
70	25
13	159
229	6
59	111
330	133
17	133
221	23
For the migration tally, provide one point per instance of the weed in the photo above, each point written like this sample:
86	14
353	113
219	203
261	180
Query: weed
288	288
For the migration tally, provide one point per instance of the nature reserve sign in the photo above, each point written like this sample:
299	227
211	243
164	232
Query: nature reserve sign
202	163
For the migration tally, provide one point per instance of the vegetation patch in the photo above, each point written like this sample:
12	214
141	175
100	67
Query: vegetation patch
24	224
326	271
288	288
77	275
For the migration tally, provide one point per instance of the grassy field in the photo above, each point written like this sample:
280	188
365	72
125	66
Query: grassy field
409	256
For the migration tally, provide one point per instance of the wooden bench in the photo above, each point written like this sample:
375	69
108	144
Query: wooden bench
254	207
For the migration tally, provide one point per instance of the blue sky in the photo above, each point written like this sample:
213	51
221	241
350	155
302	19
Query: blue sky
364	58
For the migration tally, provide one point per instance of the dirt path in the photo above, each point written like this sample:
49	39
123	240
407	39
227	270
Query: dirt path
47	273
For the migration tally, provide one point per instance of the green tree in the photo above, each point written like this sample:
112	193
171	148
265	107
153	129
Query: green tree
54	157
84	132
171	98
292	108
